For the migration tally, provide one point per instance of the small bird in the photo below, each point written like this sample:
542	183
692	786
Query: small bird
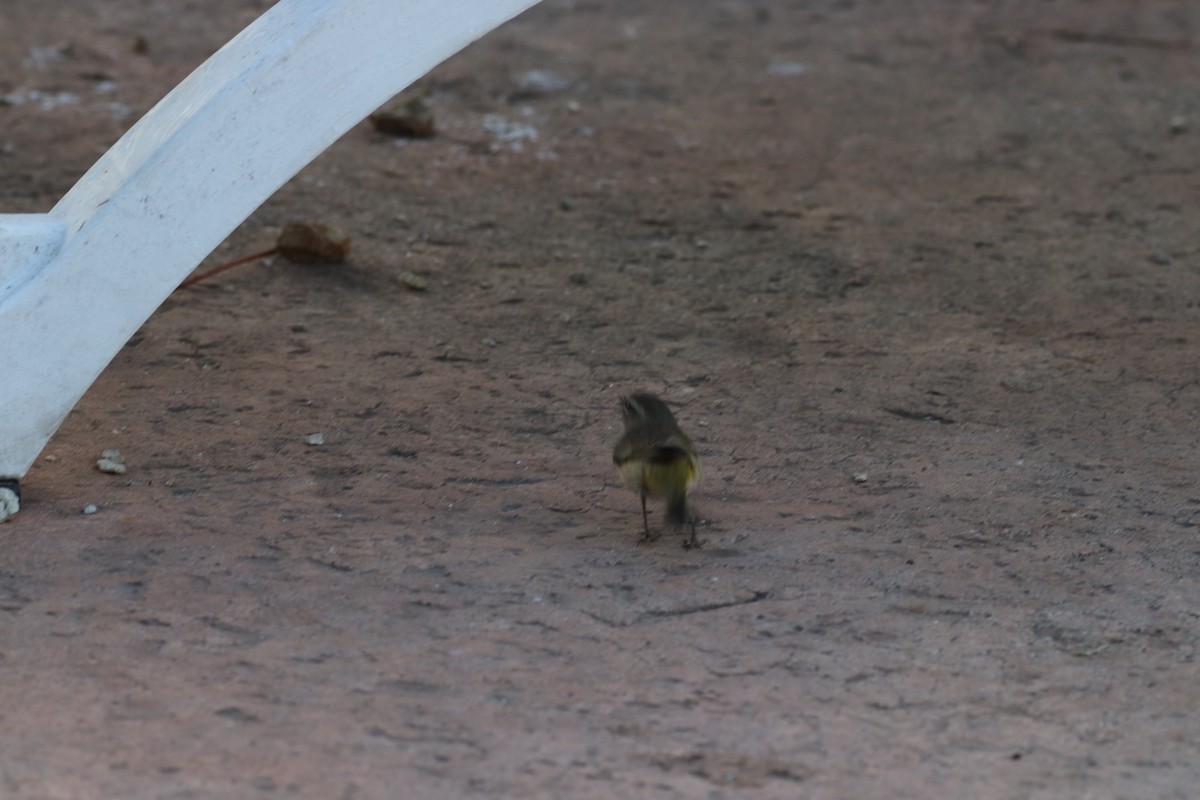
656	459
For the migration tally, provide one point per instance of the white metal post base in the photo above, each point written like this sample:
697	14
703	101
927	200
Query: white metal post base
76	283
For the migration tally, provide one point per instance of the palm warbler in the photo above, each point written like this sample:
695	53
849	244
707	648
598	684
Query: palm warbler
656	459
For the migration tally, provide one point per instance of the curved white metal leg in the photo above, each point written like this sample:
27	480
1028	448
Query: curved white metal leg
76	283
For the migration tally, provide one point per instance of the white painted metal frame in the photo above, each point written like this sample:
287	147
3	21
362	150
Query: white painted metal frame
77	282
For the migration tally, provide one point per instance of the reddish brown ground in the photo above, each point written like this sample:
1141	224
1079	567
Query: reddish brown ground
921	280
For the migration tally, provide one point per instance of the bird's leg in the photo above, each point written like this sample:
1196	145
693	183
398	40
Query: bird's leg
646	537
692	542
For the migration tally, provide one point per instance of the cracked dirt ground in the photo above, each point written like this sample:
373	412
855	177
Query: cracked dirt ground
920	280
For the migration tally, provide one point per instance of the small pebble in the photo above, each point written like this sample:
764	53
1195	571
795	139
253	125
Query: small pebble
306	242
412	281
10	502
860	477
788	68
315	439
90	509
112	462
489	341
537	82
411	119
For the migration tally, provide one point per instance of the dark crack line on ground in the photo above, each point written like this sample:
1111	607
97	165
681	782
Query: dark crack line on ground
501	483
330	565
920	416
662	613
687	610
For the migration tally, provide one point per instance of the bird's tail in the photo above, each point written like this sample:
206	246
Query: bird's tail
678	511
